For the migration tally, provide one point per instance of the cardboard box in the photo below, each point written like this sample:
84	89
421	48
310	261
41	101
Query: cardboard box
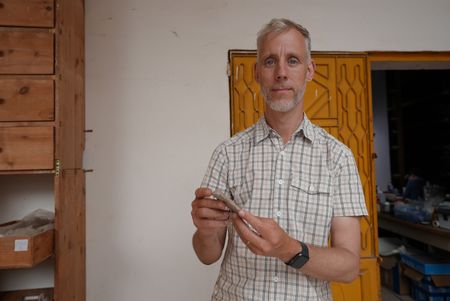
391	274
25	252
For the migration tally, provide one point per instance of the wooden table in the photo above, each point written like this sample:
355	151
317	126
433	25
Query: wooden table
437	237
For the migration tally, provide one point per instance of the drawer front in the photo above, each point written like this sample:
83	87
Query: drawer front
26	100
28	294
26	52
26	148
38	13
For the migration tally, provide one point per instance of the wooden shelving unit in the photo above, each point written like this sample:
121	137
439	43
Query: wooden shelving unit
436	237
42	120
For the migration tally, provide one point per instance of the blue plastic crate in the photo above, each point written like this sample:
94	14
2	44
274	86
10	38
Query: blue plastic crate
426	291
412	213
426	264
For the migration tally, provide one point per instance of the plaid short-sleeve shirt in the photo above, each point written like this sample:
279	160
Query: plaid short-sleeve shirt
301	185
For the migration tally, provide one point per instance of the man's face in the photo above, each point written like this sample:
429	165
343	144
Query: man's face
282	70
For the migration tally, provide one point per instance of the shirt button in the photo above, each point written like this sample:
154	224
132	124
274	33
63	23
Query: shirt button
282	153
311	187
280	181
279	213
275	279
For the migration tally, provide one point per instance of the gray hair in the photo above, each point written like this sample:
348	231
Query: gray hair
280	25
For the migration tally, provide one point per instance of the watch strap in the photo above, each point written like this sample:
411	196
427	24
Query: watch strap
300	258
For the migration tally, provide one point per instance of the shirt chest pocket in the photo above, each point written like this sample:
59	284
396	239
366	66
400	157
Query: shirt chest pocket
312	207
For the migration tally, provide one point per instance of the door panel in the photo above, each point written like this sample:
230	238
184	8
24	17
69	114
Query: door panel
337	100
355	132
366	287
247	105
320	95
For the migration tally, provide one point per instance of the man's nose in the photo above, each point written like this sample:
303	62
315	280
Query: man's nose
281	71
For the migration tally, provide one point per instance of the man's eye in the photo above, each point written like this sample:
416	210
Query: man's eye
269	62
293	61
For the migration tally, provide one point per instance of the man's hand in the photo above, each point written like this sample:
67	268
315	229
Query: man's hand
211	218
272	240
208	215
338	263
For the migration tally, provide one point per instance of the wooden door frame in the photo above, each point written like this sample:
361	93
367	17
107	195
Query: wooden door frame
408	56
397	56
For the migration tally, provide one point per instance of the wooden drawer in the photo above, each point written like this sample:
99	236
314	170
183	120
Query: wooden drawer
38	13
26	52
24	295
26	99
25	251
26	148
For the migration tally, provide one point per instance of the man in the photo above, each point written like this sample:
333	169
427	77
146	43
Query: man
295	183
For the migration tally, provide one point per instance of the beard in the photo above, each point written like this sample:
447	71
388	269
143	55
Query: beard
284	105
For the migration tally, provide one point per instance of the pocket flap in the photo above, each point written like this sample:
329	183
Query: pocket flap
312	187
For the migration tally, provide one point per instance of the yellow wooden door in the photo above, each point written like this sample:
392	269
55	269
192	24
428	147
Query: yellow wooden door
338	100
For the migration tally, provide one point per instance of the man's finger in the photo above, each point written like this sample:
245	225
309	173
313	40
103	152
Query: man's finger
210	203
254	221
208	213
202	192
245	233
209	224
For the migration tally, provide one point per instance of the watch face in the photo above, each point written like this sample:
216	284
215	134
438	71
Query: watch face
301	258
299	261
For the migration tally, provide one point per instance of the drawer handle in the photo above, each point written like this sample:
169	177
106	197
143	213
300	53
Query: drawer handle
2	101
2	5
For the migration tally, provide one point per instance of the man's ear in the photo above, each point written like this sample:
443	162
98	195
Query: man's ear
311	69
255	72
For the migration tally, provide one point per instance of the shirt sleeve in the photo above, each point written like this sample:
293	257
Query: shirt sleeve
216	176
348	195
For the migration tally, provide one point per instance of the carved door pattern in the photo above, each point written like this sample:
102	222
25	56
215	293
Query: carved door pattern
338	100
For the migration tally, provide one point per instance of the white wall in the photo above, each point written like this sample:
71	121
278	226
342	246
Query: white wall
157	99
381	130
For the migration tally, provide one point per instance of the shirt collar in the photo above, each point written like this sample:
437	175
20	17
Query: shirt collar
306	128
262	129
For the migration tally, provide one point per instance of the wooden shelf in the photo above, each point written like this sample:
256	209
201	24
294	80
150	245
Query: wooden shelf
427	234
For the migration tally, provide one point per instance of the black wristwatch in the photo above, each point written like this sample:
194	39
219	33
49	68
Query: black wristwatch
299	259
